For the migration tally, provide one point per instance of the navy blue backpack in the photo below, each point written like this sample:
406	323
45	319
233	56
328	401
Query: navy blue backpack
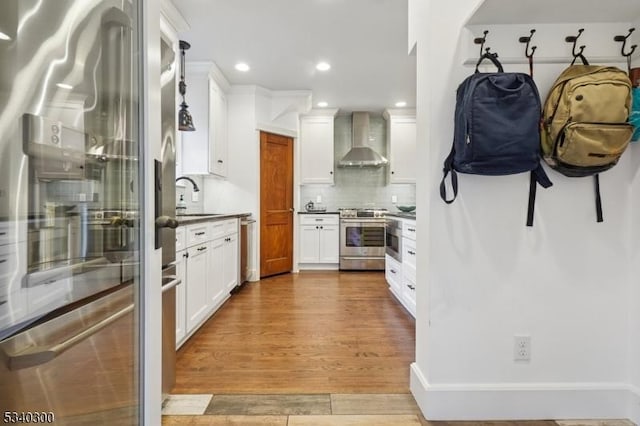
497	130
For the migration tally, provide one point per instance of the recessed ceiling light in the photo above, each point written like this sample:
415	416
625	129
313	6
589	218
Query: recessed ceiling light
3	36
323	66
323	104
401	104
64	86
241	66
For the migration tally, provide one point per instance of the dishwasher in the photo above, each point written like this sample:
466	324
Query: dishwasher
246	238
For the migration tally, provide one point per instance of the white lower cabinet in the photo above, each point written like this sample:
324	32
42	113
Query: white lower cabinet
230	262
319	239
401	276
393	274
208	270
197	275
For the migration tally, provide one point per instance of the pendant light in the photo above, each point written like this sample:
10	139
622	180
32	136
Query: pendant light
185	122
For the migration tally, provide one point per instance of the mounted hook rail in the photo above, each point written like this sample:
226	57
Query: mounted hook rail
623	39
576	55
529	56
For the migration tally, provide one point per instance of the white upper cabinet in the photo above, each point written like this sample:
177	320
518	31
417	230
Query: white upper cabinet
401	140
204	151
316	147
218	130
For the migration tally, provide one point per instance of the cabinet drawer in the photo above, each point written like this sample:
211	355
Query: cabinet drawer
181	241
409	229
221	228
409	295
197	233
319	219
409	252
393	272
230	226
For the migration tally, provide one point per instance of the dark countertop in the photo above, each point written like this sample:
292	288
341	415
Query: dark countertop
325	212
403	215
206	217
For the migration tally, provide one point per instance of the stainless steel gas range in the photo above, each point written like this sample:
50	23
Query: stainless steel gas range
362	239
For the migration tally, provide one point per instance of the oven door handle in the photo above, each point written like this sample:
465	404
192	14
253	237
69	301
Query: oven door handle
363	224
41	354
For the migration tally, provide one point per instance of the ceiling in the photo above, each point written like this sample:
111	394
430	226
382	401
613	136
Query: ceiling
364	41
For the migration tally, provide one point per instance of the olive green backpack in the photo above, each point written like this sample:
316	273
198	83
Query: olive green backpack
585	125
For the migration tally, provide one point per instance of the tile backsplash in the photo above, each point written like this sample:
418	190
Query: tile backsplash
359	187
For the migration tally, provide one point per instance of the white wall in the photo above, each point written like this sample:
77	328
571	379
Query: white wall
634	291
484	277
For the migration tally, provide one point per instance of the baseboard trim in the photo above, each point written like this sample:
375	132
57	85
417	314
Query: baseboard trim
634	404
318	266
523	401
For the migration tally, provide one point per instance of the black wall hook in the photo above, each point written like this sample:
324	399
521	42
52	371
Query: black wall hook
526	50
528	41
481	41
623	39
574	40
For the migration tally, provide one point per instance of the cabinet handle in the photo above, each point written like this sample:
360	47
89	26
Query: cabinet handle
319	220
220	161
202	248
200	233
3	260
411	229
331	172
393	173
317	227
185	255
2	234
322	227
413	253
393	271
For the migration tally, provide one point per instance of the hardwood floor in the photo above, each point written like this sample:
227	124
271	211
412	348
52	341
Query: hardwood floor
313	332
315	348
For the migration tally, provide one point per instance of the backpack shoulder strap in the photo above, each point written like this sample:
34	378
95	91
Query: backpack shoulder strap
538	176
448	167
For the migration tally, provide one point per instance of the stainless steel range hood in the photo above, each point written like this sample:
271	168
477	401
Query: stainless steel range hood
361	155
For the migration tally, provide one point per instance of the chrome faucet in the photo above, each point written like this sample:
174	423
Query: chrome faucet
195	186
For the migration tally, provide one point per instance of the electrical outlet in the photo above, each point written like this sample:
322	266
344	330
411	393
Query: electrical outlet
195	196
522	348
394	199
318	198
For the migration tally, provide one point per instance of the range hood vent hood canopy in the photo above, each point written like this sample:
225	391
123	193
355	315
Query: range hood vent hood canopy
361	155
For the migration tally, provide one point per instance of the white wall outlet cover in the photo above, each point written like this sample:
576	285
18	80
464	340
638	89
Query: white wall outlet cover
394	198
318	198
195	196
522	348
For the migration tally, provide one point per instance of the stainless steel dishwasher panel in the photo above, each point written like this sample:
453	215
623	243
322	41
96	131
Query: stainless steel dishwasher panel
246	232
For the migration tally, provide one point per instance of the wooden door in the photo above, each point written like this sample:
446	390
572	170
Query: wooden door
276	204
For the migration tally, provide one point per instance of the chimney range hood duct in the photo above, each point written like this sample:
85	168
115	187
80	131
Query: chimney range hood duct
361	155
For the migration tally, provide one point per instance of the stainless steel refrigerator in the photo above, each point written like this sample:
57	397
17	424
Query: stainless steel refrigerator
70	204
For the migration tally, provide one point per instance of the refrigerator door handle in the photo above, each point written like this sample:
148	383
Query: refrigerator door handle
166	222
39	355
